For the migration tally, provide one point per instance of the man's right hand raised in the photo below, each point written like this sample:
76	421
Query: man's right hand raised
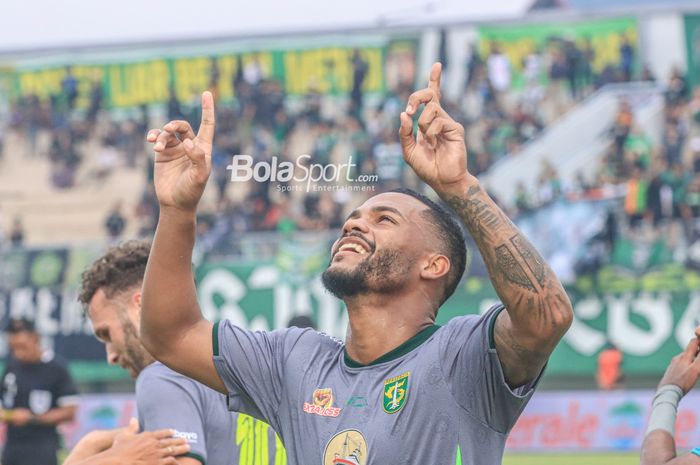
172	327
183	160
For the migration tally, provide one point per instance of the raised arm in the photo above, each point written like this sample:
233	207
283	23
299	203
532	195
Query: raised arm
659	447
538	311
172	327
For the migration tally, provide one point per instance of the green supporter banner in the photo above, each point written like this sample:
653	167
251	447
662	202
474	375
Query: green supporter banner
517	42
327	69
649	317
692	42
649	312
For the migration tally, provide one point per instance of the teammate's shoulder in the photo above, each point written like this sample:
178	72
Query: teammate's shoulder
159	370
157	384
156	374
157	381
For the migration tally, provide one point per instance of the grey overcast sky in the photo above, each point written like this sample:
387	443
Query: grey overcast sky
31	24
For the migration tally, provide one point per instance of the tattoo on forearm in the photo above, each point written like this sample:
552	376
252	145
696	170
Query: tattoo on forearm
511	269
485	217
476	214
520	363
516	259
524	355
530	256
471	191
536	304
540	308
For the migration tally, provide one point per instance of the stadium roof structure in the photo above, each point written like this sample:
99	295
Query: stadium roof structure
586	6
44	25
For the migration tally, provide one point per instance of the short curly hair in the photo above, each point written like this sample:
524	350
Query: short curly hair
450	234
121	268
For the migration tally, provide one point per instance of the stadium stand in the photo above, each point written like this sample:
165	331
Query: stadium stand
81	153
580	127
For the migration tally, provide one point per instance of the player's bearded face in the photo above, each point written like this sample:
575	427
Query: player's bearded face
383	270
133	357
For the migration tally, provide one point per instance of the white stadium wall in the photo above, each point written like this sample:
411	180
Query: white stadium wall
662	43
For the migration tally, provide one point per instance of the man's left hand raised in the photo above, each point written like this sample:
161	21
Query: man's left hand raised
437	153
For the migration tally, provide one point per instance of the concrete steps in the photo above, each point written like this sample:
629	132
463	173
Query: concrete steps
62	216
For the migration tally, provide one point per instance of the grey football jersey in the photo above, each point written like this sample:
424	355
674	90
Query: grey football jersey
167	399
439	399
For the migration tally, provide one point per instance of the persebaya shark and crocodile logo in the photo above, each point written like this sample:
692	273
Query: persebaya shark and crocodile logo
348	447
395	393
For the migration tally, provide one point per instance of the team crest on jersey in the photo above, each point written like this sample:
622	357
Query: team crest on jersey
395	393
348	447
322	403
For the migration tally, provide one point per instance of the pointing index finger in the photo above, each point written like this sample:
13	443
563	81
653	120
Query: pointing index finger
691	349
434	80
206	128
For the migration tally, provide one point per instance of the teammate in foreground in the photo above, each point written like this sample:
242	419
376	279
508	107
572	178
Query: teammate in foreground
659	447
111	294
128	446
400	389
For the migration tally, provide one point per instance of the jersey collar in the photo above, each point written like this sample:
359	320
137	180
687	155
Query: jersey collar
400	351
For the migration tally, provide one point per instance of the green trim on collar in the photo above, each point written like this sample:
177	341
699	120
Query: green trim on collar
215	339
194	456
401	350
492	327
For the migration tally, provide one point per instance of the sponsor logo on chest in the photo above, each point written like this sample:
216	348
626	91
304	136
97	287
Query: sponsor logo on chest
358	402
189	437
322	404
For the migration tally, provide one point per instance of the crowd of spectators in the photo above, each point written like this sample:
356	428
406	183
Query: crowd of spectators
658	185
499	116
68	137
663	183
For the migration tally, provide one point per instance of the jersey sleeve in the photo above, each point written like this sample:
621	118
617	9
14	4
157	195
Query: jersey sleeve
165	399
251	365
473	371
65	393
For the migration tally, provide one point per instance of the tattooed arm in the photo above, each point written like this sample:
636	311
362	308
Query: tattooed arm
538	311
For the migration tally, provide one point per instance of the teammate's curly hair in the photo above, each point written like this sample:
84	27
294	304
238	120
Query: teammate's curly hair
447	229
121	268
